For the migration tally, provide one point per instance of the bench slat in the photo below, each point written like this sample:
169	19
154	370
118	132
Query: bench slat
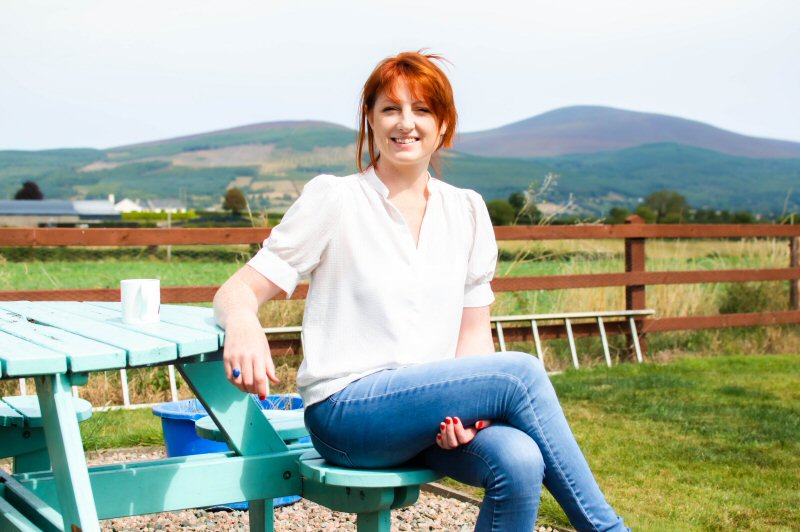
10	417
141	349
188	341
12	519
28	406
312	466
20	359
82	354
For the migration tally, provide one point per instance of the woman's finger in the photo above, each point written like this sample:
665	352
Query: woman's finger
451	441
463	435
482	424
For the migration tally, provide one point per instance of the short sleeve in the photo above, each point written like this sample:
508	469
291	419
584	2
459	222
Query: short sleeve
482	257
295	246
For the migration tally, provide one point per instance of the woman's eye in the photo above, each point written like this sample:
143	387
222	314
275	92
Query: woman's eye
423	110
388	109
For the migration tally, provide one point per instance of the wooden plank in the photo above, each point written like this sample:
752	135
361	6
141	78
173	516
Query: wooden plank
152	237
720	321
40	513
169	294
65	448
199	318
140	348
596	280
202	294
12	519
188	341
594	231
233	411
23	236
24	359
136	488
10	417
82	354
28	406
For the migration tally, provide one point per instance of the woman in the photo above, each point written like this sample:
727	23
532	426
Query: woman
399	361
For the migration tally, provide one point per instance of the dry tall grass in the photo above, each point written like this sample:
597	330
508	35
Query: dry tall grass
586	256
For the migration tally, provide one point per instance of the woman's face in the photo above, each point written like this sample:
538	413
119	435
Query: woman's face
405	130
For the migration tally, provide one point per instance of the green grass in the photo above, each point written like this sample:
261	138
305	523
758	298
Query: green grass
121	428
699	444
707	443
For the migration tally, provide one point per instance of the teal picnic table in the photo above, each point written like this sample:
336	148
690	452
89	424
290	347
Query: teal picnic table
60	343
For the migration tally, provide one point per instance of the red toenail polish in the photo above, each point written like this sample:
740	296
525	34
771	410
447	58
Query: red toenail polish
438	436
455	420
262	397
448	420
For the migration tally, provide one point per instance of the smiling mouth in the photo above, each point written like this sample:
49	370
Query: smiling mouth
404	140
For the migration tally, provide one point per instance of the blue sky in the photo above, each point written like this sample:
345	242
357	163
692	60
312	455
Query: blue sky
99	74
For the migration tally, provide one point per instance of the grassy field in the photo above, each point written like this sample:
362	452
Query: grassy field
702	443
558	257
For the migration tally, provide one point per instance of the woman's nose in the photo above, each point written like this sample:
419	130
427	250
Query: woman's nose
406	120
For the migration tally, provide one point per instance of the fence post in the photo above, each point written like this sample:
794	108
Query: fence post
635	295
794	262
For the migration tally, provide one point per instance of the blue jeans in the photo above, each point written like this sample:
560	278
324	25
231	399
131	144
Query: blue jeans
392	417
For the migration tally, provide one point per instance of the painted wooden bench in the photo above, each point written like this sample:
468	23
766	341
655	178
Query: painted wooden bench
370	493
22	434
60	343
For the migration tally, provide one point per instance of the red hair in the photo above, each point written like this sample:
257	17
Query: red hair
424	79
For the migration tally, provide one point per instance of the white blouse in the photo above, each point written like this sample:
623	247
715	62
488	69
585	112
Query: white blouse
376	301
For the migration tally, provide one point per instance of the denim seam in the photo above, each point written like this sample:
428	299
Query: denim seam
419	387
491	470
326	444
550	449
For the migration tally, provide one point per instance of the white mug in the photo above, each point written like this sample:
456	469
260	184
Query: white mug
141	300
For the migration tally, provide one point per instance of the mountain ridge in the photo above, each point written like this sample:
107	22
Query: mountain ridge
592	129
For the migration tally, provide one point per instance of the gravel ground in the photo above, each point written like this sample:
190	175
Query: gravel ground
431	512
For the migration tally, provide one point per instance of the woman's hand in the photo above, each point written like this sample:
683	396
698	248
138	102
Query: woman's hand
247	350
452	432
246	354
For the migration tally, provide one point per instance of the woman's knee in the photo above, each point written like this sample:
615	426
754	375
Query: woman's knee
522	365
514	459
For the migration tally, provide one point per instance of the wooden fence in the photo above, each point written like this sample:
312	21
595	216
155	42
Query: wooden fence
634	279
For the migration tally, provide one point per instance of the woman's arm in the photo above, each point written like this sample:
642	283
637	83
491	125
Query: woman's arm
475	336
236	306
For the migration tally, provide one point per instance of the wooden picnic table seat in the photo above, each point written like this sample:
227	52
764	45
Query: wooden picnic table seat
287	423
22	434
369	493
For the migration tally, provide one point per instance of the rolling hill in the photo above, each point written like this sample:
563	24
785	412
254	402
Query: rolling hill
591	129
611	159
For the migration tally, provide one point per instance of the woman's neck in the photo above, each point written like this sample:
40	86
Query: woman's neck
411	179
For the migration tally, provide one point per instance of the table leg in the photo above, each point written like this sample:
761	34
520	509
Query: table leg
65	447
262	515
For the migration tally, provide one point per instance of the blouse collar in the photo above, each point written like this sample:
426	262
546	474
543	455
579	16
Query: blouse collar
376	183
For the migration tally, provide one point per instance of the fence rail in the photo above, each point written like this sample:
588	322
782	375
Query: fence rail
634	279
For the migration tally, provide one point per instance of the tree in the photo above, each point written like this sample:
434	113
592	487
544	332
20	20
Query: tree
667	202
617	215
234	201
501	212
646	213
29	191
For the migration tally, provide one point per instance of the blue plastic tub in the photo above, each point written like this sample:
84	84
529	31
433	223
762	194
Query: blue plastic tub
177	422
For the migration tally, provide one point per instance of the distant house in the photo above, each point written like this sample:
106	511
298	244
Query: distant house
172	205
37	213
128	205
